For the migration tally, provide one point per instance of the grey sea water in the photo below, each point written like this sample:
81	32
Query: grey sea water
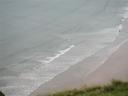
42	38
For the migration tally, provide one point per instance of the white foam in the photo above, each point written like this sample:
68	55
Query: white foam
50	59
125	14
13	87
120	27
29	76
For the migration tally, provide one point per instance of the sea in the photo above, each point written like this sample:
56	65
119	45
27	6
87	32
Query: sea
39	39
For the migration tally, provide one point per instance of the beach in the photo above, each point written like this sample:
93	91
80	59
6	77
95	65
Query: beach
84	74
55	45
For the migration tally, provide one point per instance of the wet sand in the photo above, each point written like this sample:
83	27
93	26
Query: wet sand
116	67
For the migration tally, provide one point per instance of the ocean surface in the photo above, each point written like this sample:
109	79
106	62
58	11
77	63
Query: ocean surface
40	39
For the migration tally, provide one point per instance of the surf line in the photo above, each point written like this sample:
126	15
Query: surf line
125	14
61	52
124	17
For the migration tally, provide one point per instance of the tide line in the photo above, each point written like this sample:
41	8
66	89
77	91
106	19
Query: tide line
61	52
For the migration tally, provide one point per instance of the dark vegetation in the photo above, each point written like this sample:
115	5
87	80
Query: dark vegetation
116	88
1	94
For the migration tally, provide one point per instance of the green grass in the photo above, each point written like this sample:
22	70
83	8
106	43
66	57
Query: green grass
116	88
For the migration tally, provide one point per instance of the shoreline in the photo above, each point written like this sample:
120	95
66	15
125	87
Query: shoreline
102	75
75	76
116	67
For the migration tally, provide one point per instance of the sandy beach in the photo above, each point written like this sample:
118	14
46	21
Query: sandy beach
85	74
115	68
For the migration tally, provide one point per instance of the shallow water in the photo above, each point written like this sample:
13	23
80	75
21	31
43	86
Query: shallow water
42	38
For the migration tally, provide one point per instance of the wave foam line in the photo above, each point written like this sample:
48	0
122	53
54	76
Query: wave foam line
125	14
120	27
50	59
124	17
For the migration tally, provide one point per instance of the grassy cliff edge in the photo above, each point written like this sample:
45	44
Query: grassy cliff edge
116	88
